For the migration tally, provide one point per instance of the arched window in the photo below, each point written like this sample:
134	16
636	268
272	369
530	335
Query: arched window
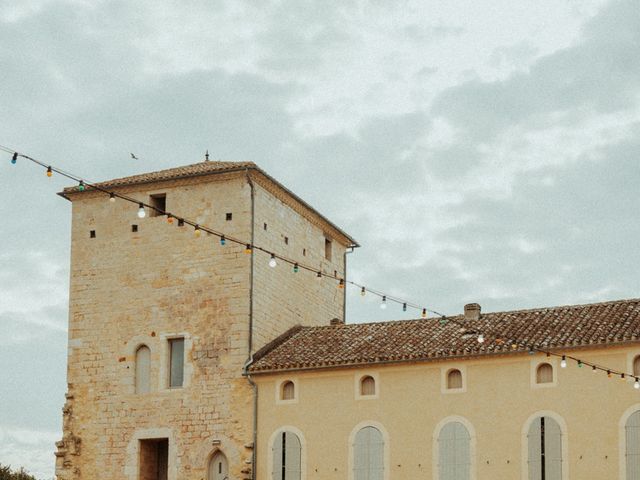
632	445
143	366
287	454
544	373
218	467
288	390
636	366
368	454
544	449
454	452
454	379
367	385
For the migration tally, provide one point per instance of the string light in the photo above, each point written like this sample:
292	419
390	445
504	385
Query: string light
404	307
363	292
272	263
295	268
247	248
223	240
196	230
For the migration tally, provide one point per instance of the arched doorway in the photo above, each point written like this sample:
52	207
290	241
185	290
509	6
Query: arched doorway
218	467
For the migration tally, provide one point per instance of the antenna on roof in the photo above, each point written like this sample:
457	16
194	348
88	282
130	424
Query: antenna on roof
206	156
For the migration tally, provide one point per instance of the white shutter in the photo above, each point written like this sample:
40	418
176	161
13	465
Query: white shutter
632	446
534	458
552	449
276	473
376	454
293	453
368	454
454	452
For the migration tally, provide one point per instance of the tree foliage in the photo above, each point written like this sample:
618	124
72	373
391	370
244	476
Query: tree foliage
7	474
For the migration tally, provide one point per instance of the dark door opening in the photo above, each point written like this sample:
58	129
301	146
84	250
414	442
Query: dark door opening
154	459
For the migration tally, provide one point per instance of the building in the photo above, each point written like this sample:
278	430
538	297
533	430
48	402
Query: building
190	359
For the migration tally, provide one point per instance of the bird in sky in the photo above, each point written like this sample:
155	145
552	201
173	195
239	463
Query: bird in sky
134	157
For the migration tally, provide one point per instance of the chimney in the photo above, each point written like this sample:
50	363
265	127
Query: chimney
472	311
336	321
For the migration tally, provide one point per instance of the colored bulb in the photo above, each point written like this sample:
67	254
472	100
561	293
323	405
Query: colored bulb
81	186
14	158
223	240
272	261
247	249
141	212
295	268
196	231
341	284
49	172
169	219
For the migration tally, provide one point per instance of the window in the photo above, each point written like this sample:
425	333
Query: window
154	459
158	201
454	452
367	386
368	454
544	449
544	373
288	390
287	455
636	366
143	366
632	445
176	364
92	234
229	216
327	248
218	467
454	379
134	228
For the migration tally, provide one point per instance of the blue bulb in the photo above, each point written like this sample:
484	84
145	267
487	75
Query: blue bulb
222	241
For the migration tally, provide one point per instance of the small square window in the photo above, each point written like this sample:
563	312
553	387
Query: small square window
181	223
134	228
229	217
327	249
265	226
158	201
286	240
92	234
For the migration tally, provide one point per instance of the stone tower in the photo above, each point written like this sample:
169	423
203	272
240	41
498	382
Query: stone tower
162	321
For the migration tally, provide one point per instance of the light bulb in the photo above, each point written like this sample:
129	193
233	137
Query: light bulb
14	158
404	307
112	197
424	313
579	363
141	212
49	171
196	231
295	268
272	261
223	240
247	249
81	186
341	284
383	305
169	219
481	338
363	291
563	362
636	384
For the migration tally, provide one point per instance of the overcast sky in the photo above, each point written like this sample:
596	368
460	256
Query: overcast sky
478	150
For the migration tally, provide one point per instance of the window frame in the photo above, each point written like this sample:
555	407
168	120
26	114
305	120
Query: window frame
279	385
444	379
535	363
357	383
303	450
564	442
136	366
386	461
472	445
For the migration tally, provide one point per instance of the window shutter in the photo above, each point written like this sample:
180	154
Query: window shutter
552	449
636	366
276	473
544	373
454	379
376	454
454	452
293	453
632	447
368	386
534	439
288	390
368	454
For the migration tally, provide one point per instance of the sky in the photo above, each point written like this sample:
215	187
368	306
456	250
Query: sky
479	151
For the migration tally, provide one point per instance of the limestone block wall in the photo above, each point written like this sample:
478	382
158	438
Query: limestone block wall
497	403
282	298
131	288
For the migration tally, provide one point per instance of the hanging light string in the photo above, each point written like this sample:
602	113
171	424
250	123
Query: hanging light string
482	336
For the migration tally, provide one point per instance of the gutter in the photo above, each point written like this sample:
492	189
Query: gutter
254	456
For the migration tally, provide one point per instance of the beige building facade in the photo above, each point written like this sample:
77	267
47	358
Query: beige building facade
192	357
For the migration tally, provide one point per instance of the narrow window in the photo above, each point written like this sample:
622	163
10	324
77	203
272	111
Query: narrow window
154	459
92	234
367	386
158	201
636	366
286	240
143	367
287	455
327	248
264	226
545	449
632	446
229	217
176	370
288	390
304	252
218	467
134	228
544	373
454	452
368	454
454	379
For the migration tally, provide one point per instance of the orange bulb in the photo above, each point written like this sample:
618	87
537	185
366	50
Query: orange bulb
49	173
170	219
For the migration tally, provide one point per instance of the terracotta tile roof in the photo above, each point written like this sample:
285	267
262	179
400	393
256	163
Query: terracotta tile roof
596	324
197	169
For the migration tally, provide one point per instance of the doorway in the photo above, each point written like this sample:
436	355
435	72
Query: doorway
218	467
154	459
